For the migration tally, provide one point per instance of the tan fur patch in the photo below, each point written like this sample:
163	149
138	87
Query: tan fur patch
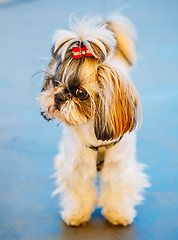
122	108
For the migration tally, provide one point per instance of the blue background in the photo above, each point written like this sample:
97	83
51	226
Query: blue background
28	143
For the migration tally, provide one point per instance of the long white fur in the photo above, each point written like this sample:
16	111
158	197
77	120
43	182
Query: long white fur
85	30
122	178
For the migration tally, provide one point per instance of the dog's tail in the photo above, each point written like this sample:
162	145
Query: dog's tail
126	37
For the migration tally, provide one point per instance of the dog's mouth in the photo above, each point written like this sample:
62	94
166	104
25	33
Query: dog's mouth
53	109
51	112
57	107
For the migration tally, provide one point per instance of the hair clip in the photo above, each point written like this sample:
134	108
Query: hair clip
78	52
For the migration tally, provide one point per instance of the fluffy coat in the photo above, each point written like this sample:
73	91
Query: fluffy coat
98	103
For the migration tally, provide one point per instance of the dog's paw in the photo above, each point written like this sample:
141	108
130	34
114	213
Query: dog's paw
75	219
123	218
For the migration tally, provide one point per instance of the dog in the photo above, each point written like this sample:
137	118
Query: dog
88	88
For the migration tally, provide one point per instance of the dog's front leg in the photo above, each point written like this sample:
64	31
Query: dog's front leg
75	185
122	186
78	200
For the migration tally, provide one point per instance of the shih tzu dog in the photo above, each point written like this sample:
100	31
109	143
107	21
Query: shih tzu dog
87	87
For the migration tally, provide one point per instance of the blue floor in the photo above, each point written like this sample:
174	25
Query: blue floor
28	143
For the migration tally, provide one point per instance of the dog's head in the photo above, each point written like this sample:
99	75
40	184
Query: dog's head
81	84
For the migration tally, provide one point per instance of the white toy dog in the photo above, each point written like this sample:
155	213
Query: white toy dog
87	87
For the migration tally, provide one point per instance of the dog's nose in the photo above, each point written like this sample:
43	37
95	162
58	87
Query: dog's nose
60	98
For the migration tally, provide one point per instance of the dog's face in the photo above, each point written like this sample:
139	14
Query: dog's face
70	91
77	90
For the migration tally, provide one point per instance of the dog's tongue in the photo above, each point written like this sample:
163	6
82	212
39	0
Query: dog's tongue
50	109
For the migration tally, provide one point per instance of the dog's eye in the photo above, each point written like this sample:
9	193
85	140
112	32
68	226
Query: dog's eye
55	82
81	94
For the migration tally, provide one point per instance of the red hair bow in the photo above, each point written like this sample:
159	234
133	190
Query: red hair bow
78	52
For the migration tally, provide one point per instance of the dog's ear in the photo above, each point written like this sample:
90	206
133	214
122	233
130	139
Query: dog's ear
101	125
118	103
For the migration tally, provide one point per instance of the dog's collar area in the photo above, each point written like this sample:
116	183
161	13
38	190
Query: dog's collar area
101	151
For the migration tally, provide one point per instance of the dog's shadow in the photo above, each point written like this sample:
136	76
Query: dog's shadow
98	229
